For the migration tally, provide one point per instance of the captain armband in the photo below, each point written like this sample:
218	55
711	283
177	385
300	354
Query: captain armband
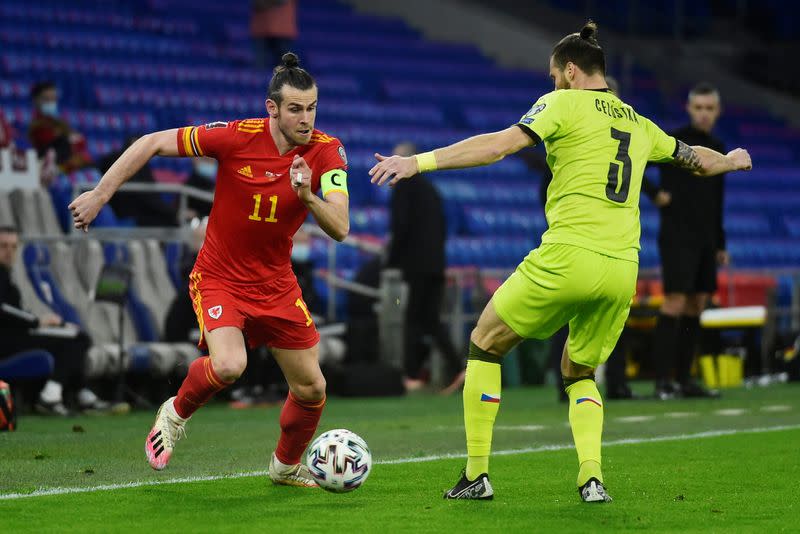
334	181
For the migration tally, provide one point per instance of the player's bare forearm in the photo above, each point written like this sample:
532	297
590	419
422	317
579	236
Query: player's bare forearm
332	214
704	161
163	143
481	149
471	152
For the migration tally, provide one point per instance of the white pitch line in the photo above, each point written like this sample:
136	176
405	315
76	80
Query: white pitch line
776	408
635	418
420	459
680	414
731	411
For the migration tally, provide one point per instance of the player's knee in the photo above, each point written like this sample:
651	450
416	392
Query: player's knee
230	369
312	390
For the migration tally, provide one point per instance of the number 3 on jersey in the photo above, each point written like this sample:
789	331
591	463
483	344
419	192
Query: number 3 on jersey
620	196
273	201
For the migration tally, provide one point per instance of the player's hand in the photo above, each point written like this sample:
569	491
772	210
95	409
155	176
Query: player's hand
663	199
50	319
85	208
723	258
393	168
740	159
300	176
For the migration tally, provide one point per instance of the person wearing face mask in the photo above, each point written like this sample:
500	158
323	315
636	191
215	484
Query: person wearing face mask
48	131
204	176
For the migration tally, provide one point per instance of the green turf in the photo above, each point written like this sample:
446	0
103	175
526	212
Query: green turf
741	482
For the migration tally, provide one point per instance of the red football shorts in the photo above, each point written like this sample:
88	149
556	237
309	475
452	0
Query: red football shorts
274	315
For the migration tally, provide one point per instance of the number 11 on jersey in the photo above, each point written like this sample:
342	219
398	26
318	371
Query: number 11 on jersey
255	216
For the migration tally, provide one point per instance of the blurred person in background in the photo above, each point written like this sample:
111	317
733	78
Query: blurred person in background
273	28
181	320
419	230
146	209
7	132
303	269
69	353
692	244
49	132
203	177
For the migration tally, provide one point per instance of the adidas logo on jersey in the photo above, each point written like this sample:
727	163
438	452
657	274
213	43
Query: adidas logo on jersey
246	171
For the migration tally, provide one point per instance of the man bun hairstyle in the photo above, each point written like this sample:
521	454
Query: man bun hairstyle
289	73
582	49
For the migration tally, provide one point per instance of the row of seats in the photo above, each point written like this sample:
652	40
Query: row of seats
35	17
405	88
62	277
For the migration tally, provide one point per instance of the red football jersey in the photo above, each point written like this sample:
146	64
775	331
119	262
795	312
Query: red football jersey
255	211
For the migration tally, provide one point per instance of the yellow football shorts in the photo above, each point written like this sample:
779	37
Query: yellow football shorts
558	284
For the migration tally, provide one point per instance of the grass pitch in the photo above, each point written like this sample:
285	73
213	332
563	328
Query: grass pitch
726	465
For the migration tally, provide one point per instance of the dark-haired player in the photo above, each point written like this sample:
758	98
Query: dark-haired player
242	285
584	273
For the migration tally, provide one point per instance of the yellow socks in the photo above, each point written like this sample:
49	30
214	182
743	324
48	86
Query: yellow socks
482	386
586	420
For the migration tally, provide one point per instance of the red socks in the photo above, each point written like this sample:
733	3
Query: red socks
299	421
200	384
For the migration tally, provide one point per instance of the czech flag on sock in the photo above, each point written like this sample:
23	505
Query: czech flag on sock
588	399
485	397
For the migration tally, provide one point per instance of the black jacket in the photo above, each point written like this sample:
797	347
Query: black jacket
10	324
418	228
695	213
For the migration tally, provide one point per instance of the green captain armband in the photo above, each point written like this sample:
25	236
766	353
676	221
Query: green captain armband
334	181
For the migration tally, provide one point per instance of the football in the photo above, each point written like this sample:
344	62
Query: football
339	460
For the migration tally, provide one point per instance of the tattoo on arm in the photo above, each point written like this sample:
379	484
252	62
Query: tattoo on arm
687	158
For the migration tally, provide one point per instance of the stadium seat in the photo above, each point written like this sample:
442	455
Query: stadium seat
34	213
6	214
39	269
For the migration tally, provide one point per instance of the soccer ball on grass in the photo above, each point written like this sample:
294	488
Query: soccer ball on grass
339	460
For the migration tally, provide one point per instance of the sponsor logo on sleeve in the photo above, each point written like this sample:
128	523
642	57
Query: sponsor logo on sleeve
217	124
342	155
536	109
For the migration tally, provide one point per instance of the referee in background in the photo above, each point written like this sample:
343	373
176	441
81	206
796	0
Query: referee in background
692	243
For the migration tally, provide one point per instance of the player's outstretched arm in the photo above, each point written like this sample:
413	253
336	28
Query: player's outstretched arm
86	207
471	152
704	161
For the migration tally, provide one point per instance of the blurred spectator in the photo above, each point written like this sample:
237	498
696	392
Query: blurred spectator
691	242
362	319
6	132
69	352
417	248
48	131
273	28
181	320
204	177
304	269
146	209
